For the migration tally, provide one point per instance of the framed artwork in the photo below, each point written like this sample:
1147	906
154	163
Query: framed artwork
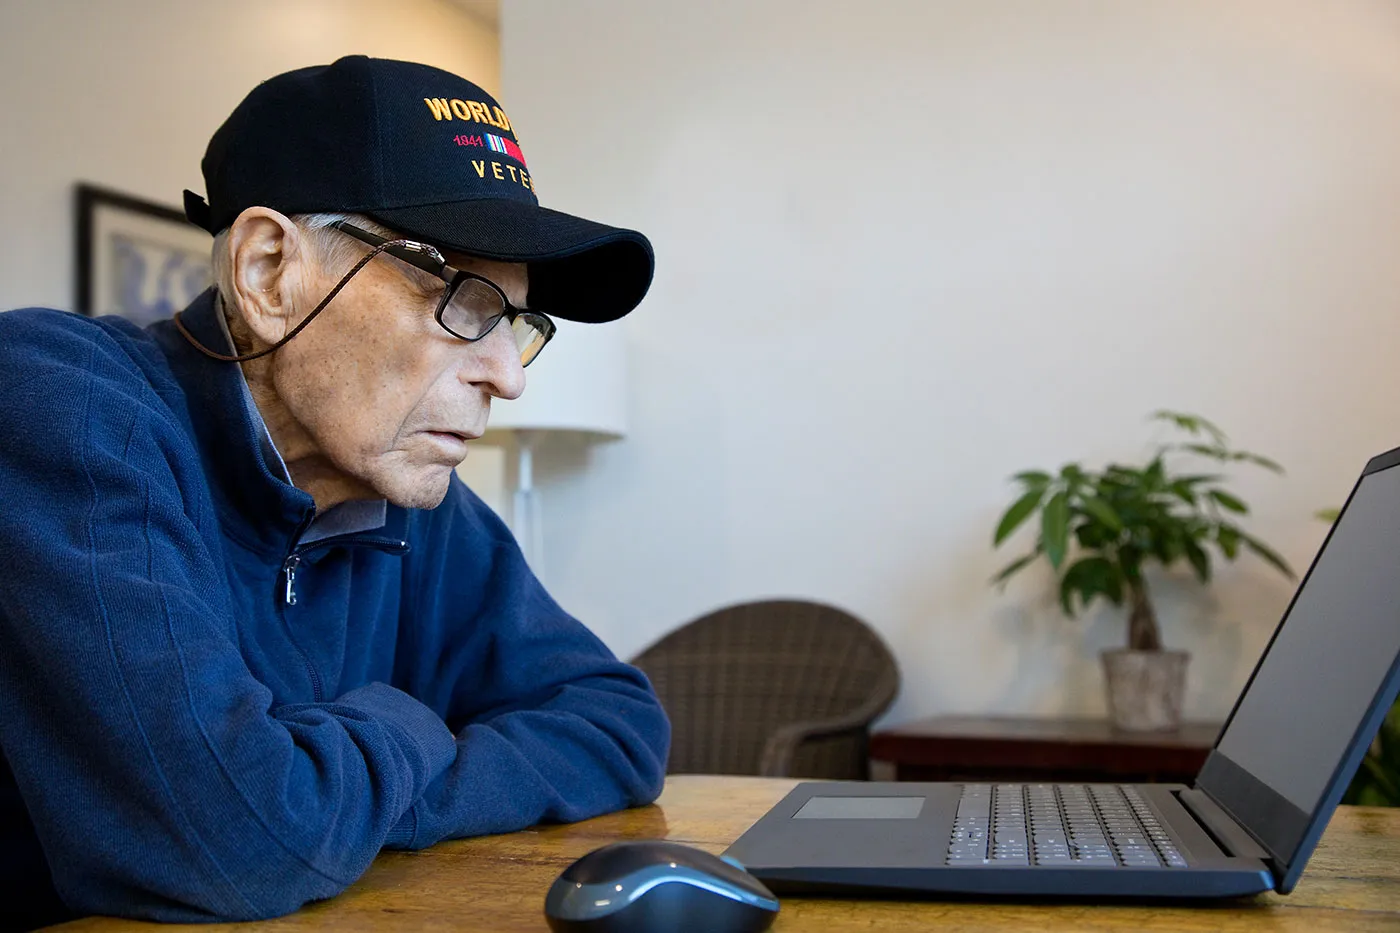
140	260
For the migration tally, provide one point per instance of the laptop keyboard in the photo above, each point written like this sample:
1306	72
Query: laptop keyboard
1106	825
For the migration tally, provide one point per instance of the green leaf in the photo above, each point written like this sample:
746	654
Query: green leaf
1155	476
1377	781
1267	553
1068	590
1199	559
1228	537
1013	567
1181	421
1102	512
1208	450
1184	487
1228	501
1214	431
1370	795
1033	478
1183	491
1072	474
1020	510
1121	478
1192	424
1388	741
1257	460
1093	535
1384	782
1090	577
1169	545
1054	528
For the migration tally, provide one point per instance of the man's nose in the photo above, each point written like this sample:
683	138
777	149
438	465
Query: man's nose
495	363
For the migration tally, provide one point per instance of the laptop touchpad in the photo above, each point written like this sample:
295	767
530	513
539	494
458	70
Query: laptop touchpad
860	808
840	824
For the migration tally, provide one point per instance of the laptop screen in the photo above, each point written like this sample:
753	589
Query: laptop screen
1319	678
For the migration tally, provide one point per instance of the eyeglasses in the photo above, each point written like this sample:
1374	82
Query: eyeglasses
471	306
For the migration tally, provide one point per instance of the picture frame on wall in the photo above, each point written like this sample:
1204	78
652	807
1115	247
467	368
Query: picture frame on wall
135	258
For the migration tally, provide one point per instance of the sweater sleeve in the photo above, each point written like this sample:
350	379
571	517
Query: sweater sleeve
550	725
162	781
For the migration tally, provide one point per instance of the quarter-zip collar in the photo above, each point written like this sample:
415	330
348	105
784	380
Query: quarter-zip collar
257	503
391	537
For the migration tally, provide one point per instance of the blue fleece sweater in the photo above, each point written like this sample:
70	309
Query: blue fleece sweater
186	743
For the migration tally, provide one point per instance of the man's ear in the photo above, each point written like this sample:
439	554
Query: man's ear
268	257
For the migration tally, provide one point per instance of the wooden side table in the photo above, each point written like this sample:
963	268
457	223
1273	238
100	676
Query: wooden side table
986	748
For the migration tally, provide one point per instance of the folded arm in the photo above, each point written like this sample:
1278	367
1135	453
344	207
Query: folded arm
550	725
162	781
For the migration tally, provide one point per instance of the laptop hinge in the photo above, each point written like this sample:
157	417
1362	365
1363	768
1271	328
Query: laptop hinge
1229	835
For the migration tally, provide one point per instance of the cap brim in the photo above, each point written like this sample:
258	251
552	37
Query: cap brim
579	270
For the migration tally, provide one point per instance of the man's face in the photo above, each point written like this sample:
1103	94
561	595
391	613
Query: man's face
389	397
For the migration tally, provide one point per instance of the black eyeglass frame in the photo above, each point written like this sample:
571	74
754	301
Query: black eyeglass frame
417	254
430	260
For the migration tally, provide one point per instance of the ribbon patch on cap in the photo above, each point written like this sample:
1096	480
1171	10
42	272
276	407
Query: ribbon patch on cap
501	144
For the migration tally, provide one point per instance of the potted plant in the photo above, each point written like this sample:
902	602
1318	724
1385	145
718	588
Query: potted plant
1101	530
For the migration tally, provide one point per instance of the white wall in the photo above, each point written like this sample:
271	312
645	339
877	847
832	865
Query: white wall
908	248
126	95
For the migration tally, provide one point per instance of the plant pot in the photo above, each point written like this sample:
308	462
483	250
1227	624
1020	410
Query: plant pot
1145	688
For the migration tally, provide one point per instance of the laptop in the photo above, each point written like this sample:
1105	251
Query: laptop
1247	824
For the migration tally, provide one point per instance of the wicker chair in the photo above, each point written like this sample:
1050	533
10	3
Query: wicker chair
781	688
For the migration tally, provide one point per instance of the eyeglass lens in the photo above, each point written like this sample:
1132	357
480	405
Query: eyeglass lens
474	308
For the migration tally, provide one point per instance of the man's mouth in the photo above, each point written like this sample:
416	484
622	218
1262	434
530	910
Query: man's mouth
454	443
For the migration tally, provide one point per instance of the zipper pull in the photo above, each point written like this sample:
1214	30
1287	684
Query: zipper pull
289	570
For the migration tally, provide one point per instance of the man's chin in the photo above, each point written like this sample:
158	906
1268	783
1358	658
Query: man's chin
424	491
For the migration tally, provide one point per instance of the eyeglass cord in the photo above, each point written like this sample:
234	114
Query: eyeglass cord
243	358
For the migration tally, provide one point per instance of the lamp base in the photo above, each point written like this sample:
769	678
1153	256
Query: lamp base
526	520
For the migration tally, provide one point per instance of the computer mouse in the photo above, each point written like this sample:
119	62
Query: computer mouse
651	886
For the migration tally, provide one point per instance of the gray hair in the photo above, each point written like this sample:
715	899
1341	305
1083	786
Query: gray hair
331	248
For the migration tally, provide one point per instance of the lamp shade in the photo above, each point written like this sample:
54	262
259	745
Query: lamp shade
578	384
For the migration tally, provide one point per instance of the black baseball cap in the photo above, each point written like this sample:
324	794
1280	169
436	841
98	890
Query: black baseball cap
430	155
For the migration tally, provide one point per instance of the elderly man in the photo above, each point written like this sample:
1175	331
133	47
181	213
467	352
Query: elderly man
252	627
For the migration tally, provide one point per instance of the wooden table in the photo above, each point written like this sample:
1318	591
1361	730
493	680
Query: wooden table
989	748
498	883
